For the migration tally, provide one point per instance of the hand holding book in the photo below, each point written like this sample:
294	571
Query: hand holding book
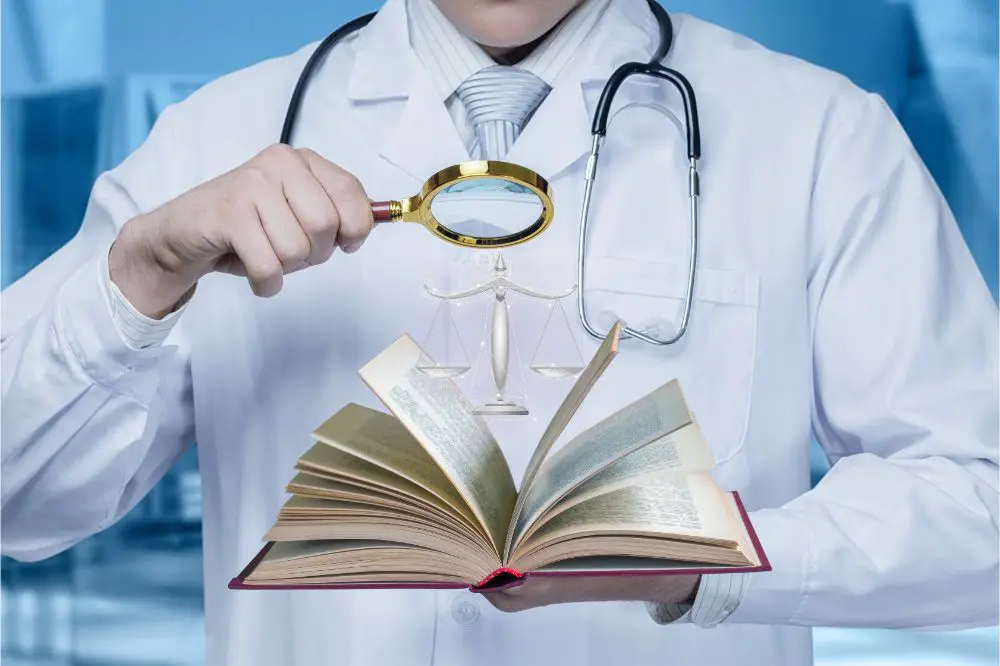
423	498
545	591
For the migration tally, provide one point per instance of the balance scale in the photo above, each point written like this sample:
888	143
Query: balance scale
500	339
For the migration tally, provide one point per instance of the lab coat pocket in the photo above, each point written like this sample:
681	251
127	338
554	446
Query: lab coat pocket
714	360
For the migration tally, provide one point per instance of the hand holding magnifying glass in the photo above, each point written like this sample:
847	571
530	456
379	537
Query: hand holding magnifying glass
484	204
288	209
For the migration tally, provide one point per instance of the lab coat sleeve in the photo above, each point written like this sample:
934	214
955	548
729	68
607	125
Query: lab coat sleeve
94	410
902	531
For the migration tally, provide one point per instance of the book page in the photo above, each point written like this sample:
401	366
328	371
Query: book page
382	440
439	416
282	551
311	484
358	561
651	418
598	364
323	458
673	505
322	508
681	452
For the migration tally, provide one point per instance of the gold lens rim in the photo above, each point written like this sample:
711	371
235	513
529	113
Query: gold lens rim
417	208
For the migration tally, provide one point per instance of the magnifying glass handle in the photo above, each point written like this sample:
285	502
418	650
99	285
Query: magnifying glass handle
386	211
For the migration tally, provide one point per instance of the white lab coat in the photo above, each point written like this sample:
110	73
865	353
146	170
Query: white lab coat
835	296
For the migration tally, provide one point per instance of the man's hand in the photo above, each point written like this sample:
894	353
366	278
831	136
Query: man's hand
543	591
282	211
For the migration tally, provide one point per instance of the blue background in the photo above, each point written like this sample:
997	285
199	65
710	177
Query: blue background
82	80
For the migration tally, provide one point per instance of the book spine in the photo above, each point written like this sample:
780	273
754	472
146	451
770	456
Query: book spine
496	574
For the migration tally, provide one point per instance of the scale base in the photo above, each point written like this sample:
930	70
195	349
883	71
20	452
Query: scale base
500	408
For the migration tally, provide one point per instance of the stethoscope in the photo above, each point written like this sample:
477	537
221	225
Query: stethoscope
599	130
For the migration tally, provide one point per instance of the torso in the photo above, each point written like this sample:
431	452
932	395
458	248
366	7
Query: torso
266	372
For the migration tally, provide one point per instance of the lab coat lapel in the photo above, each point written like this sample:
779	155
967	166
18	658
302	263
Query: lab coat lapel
557	135
424	139
421	139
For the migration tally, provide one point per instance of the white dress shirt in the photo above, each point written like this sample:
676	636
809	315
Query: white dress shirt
450	57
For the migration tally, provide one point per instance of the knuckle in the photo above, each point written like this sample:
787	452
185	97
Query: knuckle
234	206
265	268
347	185
350	236
320	221
308	152
250	180
354	228
295	252
277	152
325	254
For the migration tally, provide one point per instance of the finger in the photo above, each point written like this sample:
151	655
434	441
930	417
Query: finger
509	603
287	238
315	211
349	197
252	247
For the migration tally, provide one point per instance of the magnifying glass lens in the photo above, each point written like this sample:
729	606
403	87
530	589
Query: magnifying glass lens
486	208
483	204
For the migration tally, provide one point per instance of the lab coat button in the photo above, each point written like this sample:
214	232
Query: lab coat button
659	328
464	611
605	319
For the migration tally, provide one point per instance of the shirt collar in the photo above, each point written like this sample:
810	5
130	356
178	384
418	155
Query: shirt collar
450	57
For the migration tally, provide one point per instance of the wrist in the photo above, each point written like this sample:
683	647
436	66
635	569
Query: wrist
693	593
681	590
135	270
672	606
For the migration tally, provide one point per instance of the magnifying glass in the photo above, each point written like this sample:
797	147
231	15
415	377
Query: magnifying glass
477	204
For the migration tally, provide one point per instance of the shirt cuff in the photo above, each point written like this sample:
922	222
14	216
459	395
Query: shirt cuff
136	329
762	597
86	324
718	596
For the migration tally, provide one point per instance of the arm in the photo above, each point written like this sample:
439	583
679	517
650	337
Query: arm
95	409
902	532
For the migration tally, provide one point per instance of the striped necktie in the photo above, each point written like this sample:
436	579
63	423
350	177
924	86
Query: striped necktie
499	101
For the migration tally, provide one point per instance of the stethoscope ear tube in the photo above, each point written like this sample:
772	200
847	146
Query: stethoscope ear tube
679	81
324	48
666	31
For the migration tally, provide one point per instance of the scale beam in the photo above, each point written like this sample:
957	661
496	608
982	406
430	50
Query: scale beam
500	335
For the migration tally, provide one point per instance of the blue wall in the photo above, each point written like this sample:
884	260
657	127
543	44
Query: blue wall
215	36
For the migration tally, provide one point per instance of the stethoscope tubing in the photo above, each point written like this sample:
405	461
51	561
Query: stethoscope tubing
599	130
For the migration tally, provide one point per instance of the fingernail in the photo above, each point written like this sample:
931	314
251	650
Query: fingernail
353	247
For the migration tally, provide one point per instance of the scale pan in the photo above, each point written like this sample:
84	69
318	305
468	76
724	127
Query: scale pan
556	371
444	371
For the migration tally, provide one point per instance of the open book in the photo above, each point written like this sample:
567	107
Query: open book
424	497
